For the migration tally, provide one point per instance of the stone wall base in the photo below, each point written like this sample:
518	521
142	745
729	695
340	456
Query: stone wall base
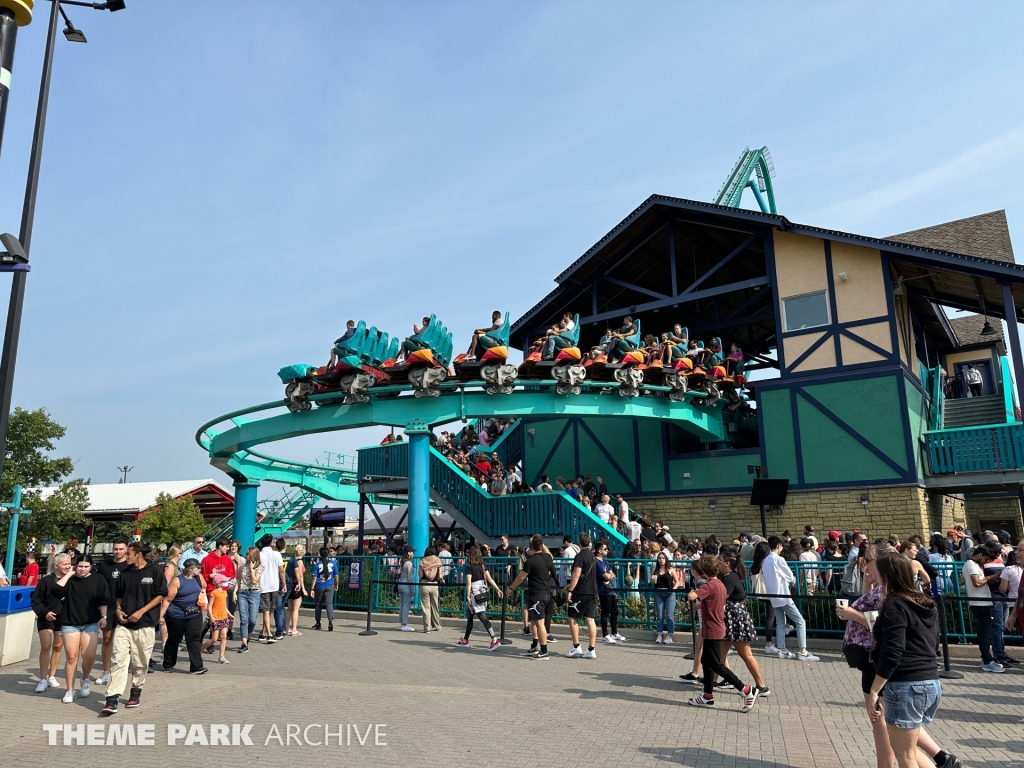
902	510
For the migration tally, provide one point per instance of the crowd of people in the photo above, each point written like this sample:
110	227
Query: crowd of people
190	598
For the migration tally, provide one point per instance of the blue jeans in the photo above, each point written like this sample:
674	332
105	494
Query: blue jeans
405	602
911	703
665	611
999	613
789	612
279	605
248	610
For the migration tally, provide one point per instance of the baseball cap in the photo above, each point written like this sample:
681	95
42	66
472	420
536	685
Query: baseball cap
220	578
809	528
190	563
834	535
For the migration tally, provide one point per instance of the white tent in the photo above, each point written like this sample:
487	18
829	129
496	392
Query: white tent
391	518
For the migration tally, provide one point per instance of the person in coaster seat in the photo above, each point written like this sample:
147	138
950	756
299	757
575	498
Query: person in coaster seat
651	348
621	344
482	337
350	331
411	343
563	328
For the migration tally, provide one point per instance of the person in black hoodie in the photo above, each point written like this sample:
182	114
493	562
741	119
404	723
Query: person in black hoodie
47	600
140	590
905	633
82	617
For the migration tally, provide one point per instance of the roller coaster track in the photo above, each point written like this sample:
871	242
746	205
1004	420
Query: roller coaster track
755	170
231	440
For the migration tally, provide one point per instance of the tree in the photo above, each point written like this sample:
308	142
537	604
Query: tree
172	521
31	436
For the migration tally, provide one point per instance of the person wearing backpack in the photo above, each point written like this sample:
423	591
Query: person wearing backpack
852	582
430	577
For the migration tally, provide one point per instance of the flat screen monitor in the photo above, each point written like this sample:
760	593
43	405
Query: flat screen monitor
769	492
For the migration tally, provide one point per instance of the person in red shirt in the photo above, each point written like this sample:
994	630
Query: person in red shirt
30	575
218	561
712	611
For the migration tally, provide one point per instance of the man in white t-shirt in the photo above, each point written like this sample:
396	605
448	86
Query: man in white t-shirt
623	512
809	534
446	559
808	555
604	510
272	583
544	484
980	602
569	552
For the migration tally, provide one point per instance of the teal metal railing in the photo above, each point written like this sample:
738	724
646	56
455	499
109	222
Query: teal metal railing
636	607
938	398
976	449
1009	395
509	446
381	462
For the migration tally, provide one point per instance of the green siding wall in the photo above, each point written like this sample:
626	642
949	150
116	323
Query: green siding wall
846	431
918	419
611	447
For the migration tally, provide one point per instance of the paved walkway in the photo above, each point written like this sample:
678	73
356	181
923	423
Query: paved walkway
480	709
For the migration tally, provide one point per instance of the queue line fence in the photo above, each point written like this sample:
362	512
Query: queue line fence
632	584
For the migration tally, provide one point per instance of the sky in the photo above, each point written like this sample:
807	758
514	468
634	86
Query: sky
220	192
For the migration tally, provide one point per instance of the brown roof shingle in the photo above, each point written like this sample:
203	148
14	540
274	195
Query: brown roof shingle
987	236
968	330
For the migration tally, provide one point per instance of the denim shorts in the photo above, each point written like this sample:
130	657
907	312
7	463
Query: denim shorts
911	703
74	629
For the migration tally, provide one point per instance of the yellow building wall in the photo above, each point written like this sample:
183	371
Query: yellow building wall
799	264
862	295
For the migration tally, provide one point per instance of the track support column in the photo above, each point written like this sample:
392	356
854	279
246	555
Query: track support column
1010	315
419	486
243	519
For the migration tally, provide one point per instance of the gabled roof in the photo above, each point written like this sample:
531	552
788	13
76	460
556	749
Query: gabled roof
986	235
967	329
136	497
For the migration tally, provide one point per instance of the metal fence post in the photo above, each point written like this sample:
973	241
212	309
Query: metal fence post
945	673
504	605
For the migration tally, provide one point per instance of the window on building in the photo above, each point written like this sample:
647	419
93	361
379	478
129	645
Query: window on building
807	311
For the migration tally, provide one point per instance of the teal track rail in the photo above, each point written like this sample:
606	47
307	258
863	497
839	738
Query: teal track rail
1009	391
976	449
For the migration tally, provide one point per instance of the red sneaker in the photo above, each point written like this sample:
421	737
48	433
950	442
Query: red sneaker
495	644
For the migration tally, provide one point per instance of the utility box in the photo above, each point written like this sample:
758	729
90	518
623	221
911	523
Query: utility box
17	624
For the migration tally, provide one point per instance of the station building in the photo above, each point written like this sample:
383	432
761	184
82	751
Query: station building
860	356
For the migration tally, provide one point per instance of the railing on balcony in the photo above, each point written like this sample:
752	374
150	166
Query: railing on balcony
382	462
976	449
509	446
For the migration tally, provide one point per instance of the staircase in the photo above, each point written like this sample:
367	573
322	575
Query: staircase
486	517
973	412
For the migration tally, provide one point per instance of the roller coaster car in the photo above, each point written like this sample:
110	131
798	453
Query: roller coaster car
564	364
492	365
358	368
427	355
728	379
628	366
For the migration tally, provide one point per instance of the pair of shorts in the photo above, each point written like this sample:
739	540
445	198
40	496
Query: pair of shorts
221	624
267	601
74	629
537	606
42	625
911	703
582	607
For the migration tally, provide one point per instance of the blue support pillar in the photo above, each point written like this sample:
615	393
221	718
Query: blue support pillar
243	521
419	486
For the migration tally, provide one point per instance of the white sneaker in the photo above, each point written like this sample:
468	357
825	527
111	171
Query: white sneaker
41	686
574	652
771	650
619	639
807	656
732	652
407	628
52	682
69	697
784	654
789	629
103	679
609	640
86	688
657	639
668	639
589	655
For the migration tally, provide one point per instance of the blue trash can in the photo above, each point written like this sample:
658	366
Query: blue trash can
15	599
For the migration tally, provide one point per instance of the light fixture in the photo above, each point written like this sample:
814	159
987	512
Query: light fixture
712	503
14	259
864	499
73	34
843	277
110	5
988	330
897	286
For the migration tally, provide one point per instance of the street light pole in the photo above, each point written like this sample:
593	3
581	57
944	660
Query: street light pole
9	355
